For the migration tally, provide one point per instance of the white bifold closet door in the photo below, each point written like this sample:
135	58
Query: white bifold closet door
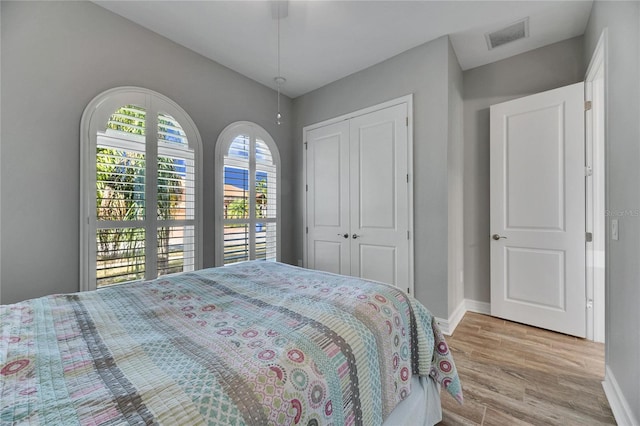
358	197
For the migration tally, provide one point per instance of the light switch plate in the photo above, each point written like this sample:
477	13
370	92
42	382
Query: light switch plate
614	229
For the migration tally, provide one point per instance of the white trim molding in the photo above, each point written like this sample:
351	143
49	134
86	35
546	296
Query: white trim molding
448	326
477	306
595	150
443	324
619	405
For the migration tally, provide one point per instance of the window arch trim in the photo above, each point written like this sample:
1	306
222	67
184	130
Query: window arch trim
94	119
225	139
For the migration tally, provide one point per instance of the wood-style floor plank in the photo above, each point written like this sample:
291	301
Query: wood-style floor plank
513	374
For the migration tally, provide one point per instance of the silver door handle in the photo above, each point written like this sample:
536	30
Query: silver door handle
345	235
354	236
497	237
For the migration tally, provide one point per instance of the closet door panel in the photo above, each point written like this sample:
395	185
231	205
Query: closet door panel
328	256
378	263
379	196
328	199
376	175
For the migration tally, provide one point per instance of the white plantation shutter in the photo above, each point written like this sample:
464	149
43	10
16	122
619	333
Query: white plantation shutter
140	189
237	204
247	194
170	131
176	198
120	198
111	188
266	199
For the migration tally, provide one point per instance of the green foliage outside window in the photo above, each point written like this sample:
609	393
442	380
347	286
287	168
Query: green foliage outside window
120	195
239	208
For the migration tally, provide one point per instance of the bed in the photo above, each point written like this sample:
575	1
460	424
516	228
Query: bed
252	343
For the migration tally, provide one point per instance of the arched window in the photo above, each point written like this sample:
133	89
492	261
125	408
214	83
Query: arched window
140	186
247	194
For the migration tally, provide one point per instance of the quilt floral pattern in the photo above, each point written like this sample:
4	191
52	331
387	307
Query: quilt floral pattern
252	343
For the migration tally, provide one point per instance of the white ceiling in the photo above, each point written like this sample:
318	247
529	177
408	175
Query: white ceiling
323	41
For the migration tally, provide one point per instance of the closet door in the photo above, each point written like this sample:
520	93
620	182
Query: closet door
358	202
379	196
328	237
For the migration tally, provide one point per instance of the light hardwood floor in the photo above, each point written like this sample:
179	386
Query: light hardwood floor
513	374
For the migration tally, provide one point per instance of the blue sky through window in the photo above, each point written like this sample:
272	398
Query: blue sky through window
240	177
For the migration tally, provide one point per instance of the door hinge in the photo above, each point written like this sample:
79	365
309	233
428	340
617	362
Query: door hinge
589	237
407	121
408	236
306	187
305	145
307	230
407	177
588	171
408	290
587	105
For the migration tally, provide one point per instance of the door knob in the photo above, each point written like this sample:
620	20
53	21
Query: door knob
497	237
345	235
354	236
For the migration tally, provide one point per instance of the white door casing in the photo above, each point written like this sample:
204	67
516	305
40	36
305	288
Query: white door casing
358	211
596	192
538	210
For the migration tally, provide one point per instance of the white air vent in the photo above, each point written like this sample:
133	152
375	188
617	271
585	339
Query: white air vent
508	34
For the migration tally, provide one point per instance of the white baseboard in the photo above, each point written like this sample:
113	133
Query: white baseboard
448	326
477	306
444	325
618	403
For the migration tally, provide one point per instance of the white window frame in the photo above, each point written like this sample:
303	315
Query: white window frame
227	136
94	120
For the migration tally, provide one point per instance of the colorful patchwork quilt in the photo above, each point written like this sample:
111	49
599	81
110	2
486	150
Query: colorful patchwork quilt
253	343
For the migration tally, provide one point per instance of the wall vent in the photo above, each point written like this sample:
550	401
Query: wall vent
508	34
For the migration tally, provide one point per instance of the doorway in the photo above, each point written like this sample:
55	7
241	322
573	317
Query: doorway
596	214
595	202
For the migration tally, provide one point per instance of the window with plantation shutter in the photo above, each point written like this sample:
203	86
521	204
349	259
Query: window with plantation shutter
247	195
120	197
140	189
176	198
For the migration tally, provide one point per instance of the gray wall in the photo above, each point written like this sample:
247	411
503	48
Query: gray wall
57	56
424	72
542	69
622	139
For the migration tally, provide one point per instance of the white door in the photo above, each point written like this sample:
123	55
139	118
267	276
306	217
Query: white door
358	217
379	196
328	239
538	210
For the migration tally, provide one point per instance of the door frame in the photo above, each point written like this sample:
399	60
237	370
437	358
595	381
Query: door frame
408	100
596	195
